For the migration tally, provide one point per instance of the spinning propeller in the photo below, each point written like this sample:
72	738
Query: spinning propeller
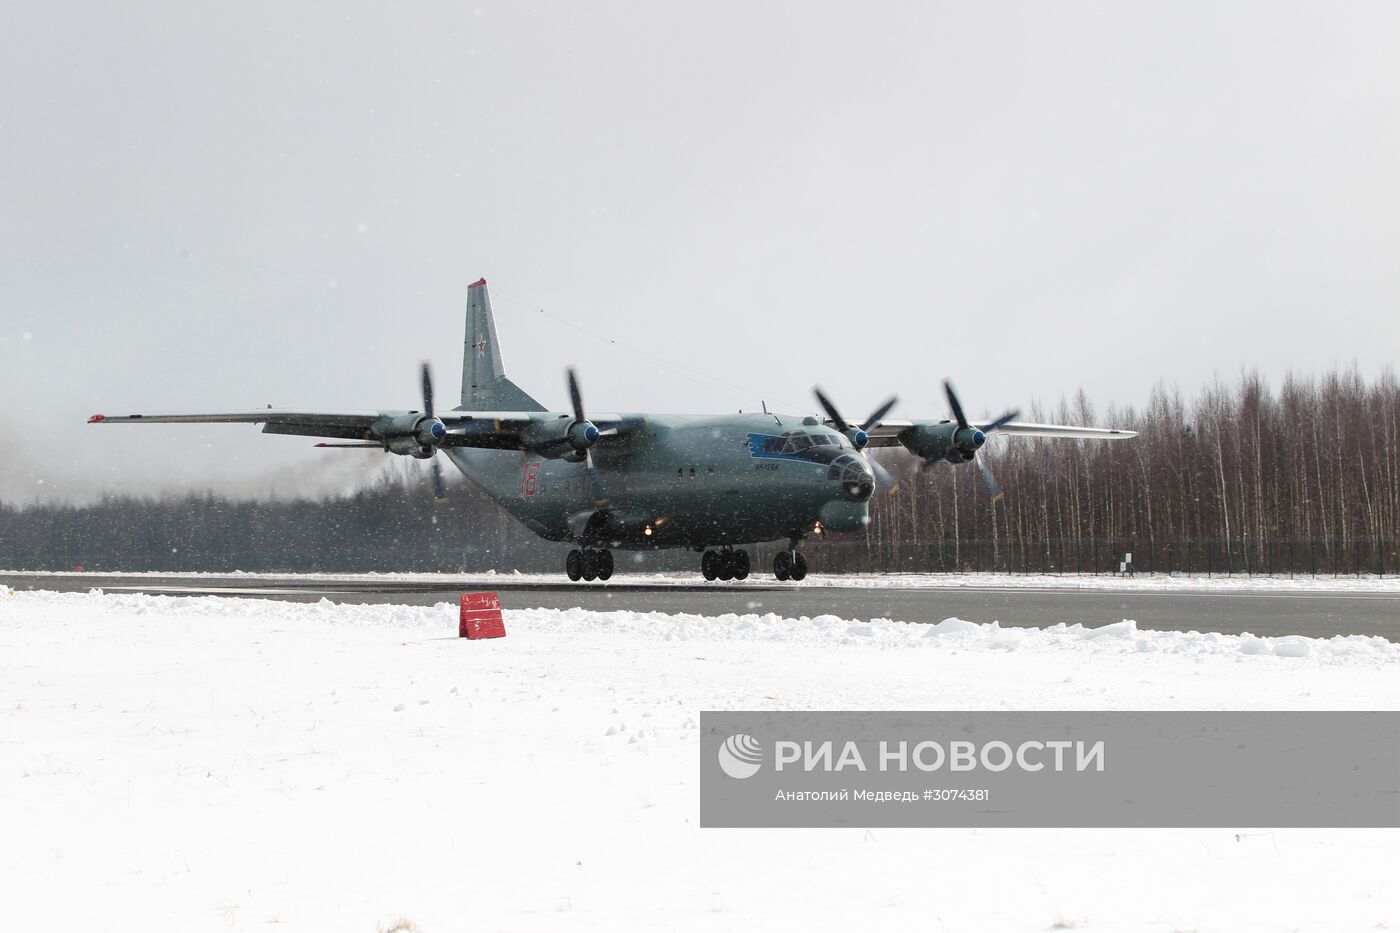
582	436
969	438
430	432
857	433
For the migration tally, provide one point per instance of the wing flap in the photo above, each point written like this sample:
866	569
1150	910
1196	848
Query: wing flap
319	429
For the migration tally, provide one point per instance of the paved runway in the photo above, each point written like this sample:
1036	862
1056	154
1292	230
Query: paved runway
1261	613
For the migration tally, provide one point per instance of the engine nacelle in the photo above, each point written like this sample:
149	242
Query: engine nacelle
408	447
561	439
582	434
414	435
943	441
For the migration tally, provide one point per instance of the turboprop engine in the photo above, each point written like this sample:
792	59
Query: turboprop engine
944	441
955	441
565	438
414	435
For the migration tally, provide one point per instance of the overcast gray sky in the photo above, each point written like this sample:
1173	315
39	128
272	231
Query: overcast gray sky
227	206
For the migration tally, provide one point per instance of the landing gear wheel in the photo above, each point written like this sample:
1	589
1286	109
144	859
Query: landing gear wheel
605	564
799	566
782	565
707	565
590	565
724	565
741	565
573	565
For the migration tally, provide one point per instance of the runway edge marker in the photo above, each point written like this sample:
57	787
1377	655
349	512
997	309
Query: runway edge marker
481	616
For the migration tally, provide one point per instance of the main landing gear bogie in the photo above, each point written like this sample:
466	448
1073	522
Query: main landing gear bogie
588	564
725	564
729	564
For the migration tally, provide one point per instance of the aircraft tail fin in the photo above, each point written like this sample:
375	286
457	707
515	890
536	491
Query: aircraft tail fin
484	383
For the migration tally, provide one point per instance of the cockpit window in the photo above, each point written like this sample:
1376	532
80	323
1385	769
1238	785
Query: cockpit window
796	443
828	439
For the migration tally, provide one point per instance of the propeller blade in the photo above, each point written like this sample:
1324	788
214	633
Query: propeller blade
883	479
439	487
1011	415
879	413
955	405
600	495
993	487
831	411
427	390
575	396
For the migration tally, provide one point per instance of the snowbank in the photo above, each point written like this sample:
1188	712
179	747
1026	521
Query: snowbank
825	630
190	763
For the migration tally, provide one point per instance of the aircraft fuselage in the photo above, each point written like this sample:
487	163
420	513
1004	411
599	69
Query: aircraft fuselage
686	482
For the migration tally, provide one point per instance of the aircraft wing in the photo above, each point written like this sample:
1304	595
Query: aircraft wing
887	433
1029	429
343	424
526	430
495	430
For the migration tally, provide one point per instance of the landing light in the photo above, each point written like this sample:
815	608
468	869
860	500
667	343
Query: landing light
817	528
647	531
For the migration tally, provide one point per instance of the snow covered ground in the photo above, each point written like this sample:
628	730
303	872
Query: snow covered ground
217	763
1138	582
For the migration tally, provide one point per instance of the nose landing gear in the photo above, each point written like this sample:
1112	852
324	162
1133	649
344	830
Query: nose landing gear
725	564
588	564
790	564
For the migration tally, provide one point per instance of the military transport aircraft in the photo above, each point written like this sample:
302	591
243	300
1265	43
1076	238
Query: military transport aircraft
637	481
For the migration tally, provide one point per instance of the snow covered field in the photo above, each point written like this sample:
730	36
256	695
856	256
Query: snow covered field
217	763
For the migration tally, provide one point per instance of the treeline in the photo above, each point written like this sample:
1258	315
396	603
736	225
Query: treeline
1245	478
1242	479
392	525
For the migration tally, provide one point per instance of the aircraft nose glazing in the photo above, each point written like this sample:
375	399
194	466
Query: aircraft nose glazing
855	476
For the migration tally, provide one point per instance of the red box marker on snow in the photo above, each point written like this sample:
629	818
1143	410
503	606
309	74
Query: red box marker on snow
481	616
